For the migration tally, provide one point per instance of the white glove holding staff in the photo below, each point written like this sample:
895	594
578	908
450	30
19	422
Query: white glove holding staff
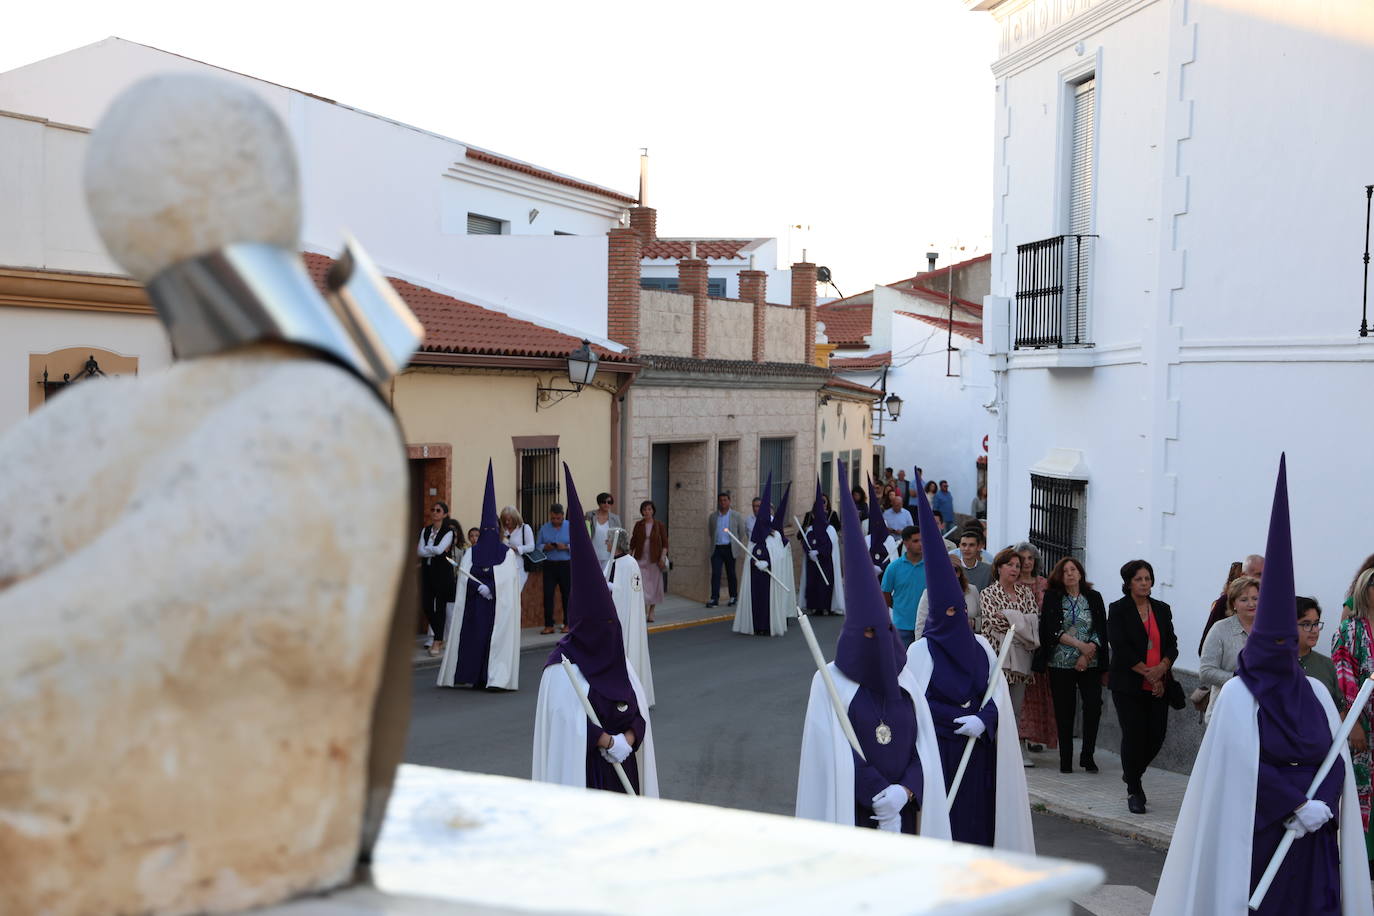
619	749
888	804
969	726
1309	817
761	564
483	590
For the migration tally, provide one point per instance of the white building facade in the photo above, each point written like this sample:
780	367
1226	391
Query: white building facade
1175	290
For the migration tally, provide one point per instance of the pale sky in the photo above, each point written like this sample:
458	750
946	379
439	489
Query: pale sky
869	121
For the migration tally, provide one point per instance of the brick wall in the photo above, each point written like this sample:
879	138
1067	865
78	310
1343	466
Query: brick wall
622	287
692	280
753	286
804	297
644	221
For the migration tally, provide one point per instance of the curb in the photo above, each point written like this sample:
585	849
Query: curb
1119	826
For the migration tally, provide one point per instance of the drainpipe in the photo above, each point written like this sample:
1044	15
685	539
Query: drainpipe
619	443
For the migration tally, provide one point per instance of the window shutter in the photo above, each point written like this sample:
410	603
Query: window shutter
483	225
1076	279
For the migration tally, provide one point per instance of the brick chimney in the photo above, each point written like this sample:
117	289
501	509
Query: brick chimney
644	220
622	287
804	296
753	287
691	279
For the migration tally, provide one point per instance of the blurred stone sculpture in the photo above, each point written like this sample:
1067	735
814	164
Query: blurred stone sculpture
198	568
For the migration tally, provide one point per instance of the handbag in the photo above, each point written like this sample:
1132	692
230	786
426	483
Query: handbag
533	559
1173	694
1200	699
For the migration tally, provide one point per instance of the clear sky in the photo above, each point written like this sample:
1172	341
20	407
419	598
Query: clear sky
870	121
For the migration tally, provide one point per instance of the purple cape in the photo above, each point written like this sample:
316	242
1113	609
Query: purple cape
479	614
960	664
819	596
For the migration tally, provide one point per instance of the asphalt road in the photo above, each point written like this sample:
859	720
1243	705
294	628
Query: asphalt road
727	731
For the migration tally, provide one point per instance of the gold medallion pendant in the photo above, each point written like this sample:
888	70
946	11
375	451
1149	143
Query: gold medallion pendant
883	733
622	707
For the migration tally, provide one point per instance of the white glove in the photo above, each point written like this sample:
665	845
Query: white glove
619	749
969	726
483	590
1309	817
877	569
891	826
815	555
761	564
888	804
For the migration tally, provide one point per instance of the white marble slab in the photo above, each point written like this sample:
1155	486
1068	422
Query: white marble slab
466	843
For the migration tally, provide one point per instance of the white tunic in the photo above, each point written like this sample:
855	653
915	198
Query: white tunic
628	592
786	573
836	578
560	733
1012	828
503	657
1208	867
825	781
779	598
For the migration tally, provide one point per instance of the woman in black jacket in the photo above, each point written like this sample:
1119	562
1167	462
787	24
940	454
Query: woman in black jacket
1144	647
1074	652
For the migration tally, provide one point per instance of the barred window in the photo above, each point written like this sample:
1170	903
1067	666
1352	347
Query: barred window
537	483
1057	519
775	457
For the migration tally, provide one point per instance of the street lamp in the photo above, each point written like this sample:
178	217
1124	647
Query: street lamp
582	365
894	406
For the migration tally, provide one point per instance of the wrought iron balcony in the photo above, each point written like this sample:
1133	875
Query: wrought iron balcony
1052	281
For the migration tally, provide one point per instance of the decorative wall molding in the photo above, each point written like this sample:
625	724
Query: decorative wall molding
1033	30
52	289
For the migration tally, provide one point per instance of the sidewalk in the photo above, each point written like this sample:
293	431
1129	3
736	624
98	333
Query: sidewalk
673	614
1099	798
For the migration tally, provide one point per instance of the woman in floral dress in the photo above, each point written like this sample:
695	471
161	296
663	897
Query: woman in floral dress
1352	650
1037	725
1007	603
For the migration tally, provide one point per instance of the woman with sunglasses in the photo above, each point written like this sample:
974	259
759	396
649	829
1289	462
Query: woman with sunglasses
436	573
602	524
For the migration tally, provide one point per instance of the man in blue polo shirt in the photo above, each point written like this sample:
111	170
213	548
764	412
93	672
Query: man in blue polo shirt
904	582
554	539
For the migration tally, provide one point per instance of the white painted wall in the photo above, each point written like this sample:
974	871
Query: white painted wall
404	192
1230	171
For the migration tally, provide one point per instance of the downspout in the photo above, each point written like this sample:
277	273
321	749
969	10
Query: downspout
619	441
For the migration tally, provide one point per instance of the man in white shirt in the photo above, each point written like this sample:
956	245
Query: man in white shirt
897	518
725	553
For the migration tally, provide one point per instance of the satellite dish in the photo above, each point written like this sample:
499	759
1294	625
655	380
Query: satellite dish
823	274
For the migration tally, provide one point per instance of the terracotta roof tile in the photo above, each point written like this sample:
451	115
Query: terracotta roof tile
846	324
710	249
860	363
454	326
836	382
478	155
967	329
718	367
970	309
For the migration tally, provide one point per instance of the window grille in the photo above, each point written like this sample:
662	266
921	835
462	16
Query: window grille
715	286
537	484
775	457
1057	519
485	225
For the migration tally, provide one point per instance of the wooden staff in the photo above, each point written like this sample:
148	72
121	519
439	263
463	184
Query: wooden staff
987	695
756	562
591	714
840	712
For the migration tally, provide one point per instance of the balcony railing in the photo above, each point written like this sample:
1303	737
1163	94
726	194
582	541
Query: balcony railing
1052	281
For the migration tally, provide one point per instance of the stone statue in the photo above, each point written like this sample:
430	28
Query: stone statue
199	567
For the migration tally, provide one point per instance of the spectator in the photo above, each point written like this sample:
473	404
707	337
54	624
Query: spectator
1314	664
1221	647
752	517
904	582
946	526
895	517
519	537
1253	567
861	501
725	552
649	546
976	569
1352	651
888	479
975	608
1218	610
472	536
600	523
1036	720
832	517
555	538
1349	603
1073	654
436	573
932	491
980	504
1007	604
1140	635
903	487
944	502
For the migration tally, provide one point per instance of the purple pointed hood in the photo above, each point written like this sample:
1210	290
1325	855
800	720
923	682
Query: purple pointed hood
961	662
763	522
877	528
488	551
1292	723
871	663
780	517
820	523
594	642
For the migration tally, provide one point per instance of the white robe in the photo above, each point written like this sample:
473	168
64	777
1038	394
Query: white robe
779	599
825	782
503	658
1208	867
628	592
786	573
560	733
1012	828
836	578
